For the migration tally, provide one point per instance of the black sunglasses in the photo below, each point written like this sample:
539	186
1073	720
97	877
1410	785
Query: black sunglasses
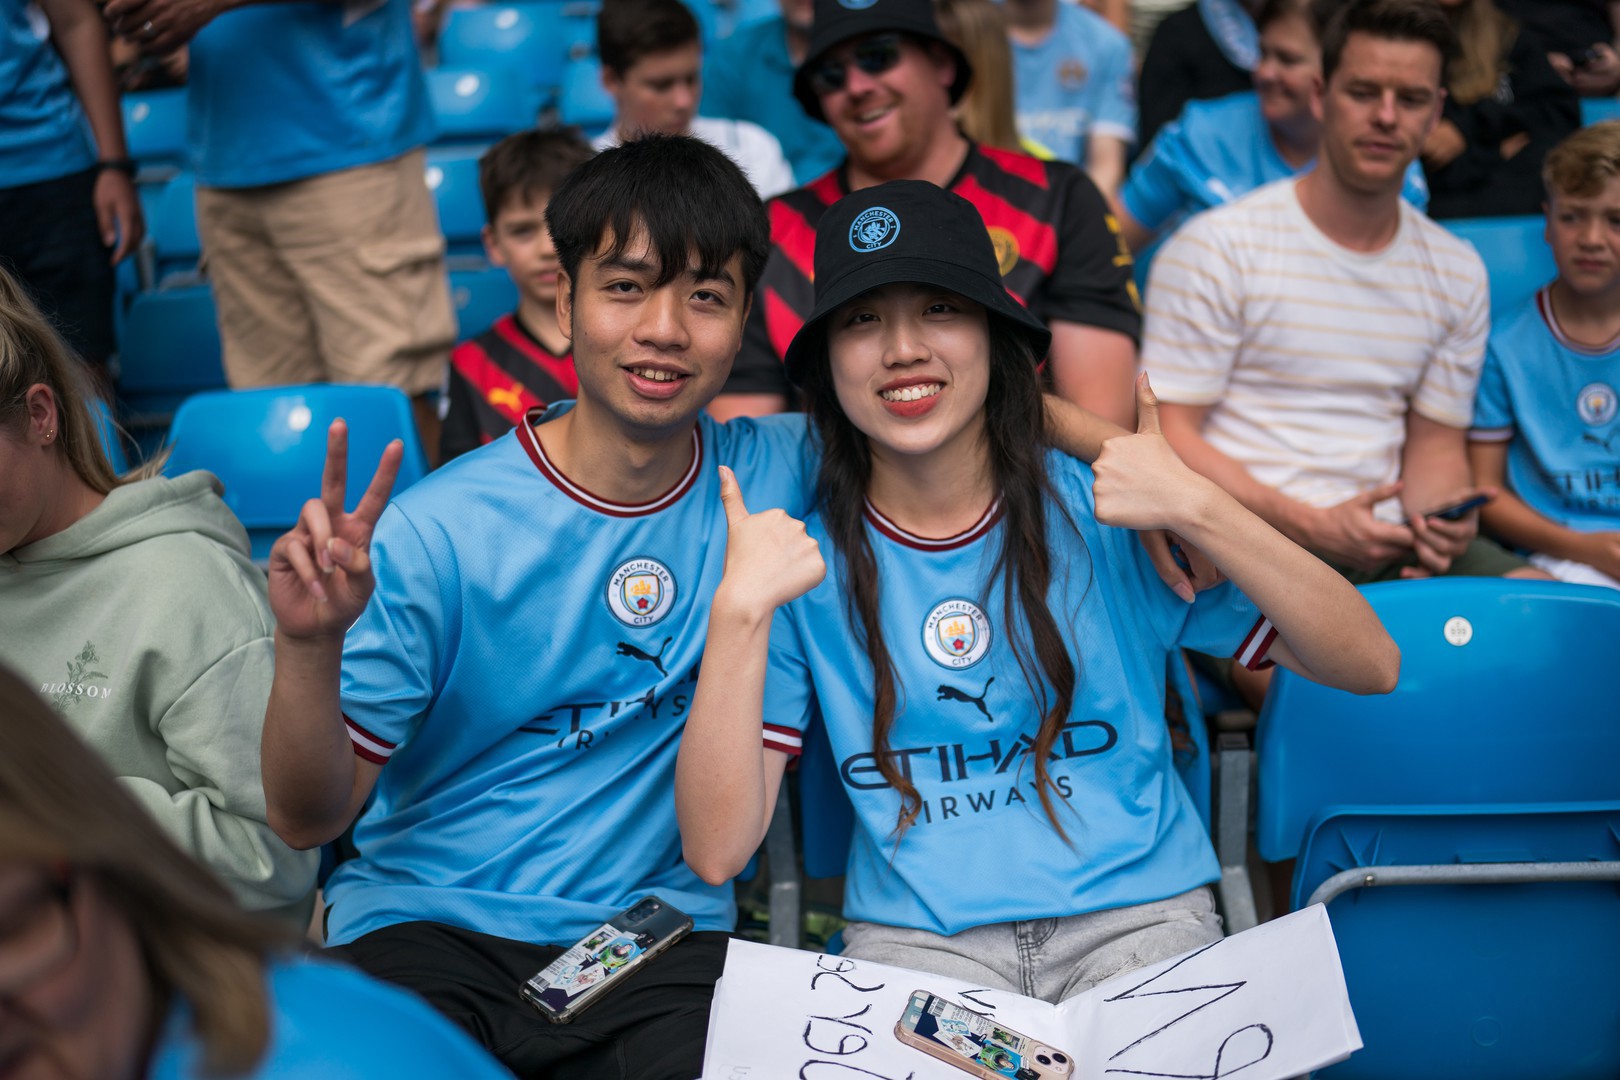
874	56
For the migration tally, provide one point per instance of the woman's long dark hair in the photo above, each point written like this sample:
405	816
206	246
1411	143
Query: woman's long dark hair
1017	438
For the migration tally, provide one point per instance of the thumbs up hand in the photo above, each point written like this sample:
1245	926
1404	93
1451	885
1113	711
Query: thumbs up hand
1140	482
770	559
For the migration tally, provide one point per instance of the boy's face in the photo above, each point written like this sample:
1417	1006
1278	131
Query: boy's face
1584	234
652	356
659	93
1381	104
519	240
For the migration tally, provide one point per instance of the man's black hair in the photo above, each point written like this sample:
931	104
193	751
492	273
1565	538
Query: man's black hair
691	199
627	30
1391	20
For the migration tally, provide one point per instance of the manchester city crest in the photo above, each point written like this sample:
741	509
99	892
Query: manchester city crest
875	227
1596	404
641	592
956	634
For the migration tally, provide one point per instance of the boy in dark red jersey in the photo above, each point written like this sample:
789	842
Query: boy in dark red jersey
524	360
884	78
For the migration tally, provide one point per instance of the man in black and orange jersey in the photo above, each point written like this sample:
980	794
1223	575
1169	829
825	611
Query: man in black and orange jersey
883	77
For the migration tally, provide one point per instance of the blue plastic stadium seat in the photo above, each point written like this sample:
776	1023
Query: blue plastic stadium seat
1517	713
452	176
112	443
533	40
269	447
480	297
1493	758
1515	253
155	130
172	248
1594	110
584	102
479	106
169	350
1480	981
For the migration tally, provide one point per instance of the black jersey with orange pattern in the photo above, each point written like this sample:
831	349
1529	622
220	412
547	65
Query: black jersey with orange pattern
1059	248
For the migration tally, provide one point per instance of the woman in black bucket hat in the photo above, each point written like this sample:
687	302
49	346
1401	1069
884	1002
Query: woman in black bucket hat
988	654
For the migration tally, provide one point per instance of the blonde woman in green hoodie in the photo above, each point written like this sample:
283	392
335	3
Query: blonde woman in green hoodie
131	605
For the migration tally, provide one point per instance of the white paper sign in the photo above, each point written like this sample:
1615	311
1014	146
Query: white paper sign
1267	1004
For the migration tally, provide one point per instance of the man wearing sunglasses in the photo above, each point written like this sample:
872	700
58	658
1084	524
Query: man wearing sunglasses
883	77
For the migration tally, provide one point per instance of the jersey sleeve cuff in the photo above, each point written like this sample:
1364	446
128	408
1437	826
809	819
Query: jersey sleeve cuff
368	746
785	739
1490	434
1252	653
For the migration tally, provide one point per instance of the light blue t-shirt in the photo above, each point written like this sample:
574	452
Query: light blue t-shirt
43	131
524	669
1554	402
982	850
1214	152
749	76
333	1022
1080	81
282	92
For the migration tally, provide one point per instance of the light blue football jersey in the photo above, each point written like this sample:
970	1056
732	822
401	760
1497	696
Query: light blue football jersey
1215	152
524	668
1079	81
982	850
1556	401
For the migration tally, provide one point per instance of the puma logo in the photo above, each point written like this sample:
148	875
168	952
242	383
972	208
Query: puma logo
1606	443
627	649
951	693
508	396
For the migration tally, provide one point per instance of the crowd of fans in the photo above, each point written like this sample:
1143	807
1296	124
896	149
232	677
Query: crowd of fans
489	691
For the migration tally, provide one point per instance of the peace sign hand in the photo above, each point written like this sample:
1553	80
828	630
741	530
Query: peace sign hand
320	572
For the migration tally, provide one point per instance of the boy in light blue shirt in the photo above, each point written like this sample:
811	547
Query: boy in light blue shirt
1547	421
1074	81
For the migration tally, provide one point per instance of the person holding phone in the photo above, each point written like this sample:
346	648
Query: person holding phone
988	648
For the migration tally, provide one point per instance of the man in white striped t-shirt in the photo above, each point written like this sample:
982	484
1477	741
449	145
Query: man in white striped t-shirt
1316	345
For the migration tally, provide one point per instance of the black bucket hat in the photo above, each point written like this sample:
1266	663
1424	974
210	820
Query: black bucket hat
906	231
837	21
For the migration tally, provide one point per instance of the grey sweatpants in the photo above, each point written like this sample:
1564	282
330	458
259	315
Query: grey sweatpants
1051	959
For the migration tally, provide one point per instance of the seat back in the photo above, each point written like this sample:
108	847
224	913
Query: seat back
169	349
452	176
1500	699
480	297
268	447
584	103
532	40
474	105
1596	110
174	246
1478	981
155	130
1516	256
826	816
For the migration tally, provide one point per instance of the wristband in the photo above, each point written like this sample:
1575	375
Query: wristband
123	165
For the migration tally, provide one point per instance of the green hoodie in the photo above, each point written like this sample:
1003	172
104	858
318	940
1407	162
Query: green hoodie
147	626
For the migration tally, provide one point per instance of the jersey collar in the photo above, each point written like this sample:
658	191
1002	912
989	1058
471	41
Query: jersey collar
986	522
589	500
1550	317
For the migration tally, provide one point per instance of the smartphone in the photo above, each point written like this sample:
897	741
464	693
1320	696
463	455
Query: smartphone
976	1044
604	958
1456	509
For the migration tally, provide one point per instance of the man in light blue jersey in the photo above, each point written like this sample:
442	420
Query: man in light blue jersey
1547	421
1076	86
525	653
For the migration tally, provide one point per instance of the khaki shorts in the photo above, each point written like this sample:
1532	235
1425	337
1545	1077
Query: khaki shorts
337	278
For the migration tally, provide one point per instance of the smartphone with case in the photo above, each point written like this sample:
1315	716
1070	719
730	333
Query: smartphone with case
976	1044
604	958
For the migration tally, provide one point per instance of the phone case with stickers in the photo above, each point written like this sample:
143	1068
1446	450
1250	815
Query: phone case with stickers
976	1044
604	958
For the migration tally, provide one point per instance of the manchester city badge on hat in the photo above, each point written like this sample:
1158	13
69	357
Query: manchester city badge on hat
906	231
837	21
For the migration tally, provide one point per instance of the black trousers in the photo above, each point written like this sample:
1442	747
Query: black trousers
651	1027
50	240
